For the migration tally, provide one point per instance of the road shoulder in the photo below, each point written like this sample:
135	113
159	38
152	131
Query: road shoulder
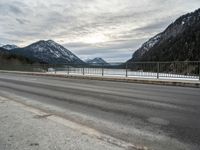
34	130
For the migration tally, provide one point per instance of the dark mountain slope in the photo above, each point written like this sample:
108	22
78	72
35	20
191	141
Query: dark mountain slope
6	58
179	42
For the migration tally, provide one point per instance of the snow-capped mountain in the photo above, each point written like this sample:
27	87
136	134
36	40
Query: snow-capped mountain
96	61
147	46
180	41
48	52
10	47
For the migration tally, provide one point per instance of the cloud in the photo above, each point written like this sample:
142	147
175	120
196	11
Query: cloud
6	9
111	29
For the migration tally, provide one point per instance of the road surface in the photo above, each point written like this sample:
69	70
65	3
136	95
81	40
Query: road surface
158	117
25	128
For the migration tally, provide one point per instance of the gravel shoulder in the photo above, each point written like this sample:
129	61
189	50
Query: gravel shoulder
21	129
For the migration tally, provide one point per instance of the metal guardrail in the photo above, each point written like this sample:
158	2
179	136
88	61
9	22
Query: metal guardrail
175	69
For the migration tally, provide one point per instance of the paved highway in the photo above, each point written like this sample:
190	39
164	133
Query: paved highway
158	117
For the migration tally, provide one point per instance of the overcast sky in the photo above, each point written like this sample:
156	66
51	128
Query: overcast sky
111	29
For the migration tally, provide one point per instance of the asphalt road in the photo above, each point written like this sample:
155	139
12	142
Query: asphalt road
158	117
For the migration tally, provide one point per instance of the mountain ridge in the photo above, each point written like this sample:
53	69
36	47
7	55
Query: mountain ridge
9	46
47	52
178	42
96	60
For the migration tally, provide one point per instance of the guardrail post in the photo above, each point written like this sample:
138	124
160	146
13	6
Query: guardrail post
55	68
199	70
102	70
187	68
68	69
46	68
43	68
158	69
83	70
126	70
